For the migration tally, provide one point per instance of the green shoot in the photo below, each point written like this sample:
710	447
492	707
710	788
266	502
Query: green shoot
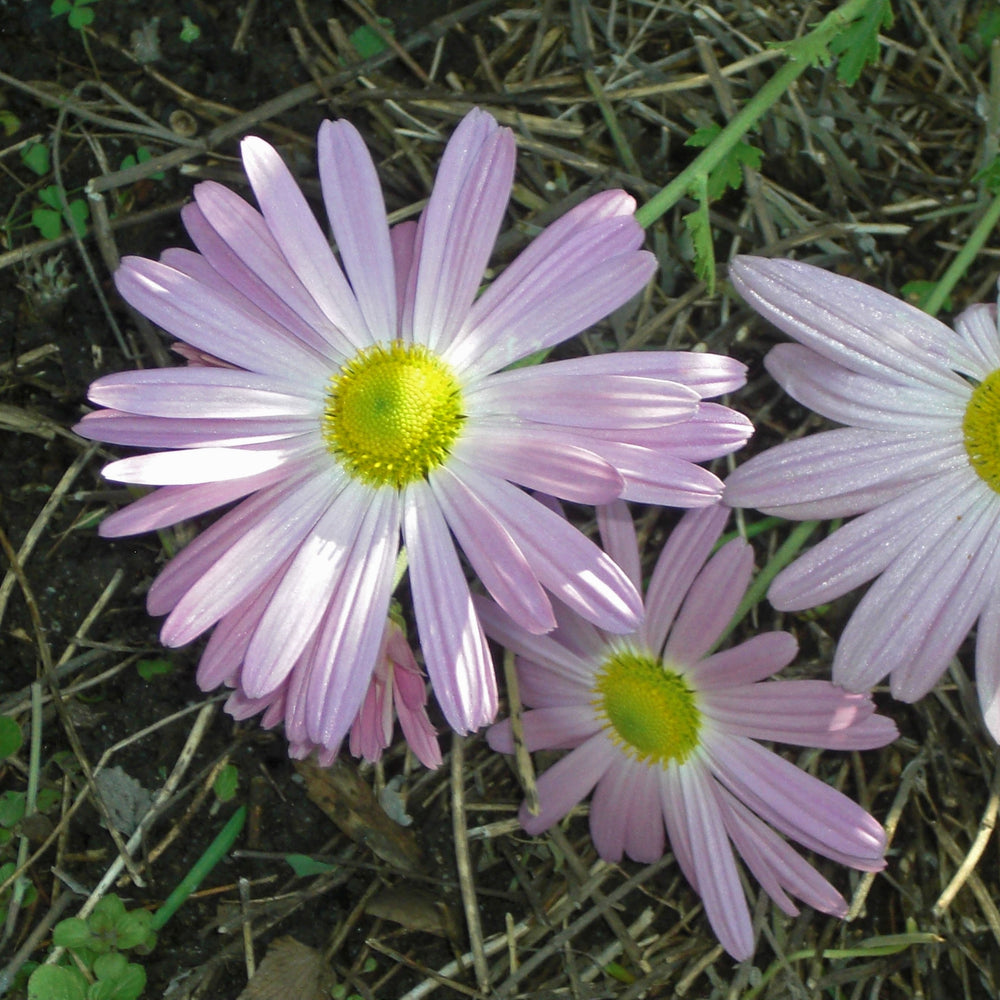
857	44
80	12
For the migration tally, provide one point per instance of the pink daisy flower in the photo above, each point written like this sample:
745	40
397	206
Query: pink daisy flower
667	732
919	461
344	407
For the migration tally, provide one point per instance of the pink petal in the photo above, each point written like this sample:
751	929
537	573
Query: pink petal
680	561
841	472
455	651
564	560
539	458
861	400
302	243
860	327
988	662
808	713
977	326
460	225
353	198
614	522
218	322
710	603
756	659
863	548
494	555
243	231
568	782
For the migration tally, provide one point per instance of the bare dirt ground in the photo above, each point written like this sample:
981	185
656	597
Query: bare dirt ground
876	180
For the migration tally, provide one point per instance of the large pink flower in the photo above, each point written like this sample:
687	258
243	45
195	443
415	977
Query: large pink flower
354	405
667	731
919	460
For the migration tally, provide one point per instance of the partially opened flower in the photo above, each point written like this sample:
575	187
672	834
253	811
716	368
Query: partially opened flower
919	461
667	732
343	410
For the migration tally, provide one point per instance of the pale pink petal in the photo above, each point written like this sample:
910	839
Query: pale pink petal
707	374
235	556
841	472
756	659
561	727
645	839
170	504
460	225
315	575
349	637
977	326
988	662
710	603
915	616
493	554
862	400
860	327
539	458
712	858
545	396
863	548
116	427
301	240
204	392
455	651
244	231
353	198
680	561
713	431
556	303
216	321
614	521
402	237
610	808
204	465
799	805
775	864
564	560
809	713
568	782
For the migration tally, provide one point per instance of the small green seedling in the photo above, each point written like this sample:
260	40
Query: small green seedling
190	32
98	944
49	219
79	12
142	154
11	737
151	669
36	157
227	781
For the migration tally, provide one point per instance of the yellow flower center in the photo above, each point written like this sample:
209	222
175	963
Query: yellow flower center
392	414
651	712
981	426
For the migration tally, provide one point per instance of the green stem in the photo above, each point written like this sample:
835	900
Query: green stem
964	257
804	54
758	587
216	851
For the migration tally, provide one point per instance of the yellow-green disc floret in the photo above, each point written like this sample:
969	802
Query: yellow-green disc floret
651	712
392	414
981	427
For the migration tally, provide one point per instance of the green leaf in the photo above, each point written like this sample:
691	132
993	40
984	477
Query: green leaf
80	17
79	213
60	7
9	122
11	808
73	932
729	172
53	982
110	966
988	28
303	865
47	222
857	44
190	32
148	669
126	984
700	229
918	292
11	737
133	929
226	783
47	799
36	157
366	41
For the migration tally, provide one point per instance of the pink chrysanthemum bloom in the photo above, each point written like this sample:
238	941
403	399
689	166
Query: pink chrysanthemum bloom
348	409
667	732
919	461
